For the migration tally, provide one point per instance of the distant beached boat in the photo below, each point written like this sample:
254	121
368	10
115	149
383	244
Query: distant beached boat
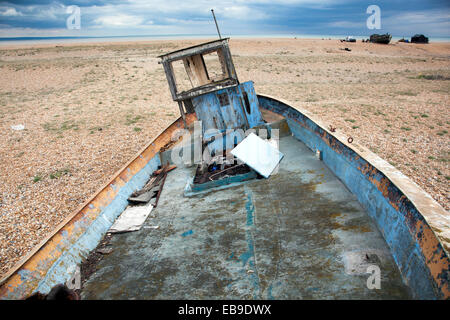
381	38
348	39
419	38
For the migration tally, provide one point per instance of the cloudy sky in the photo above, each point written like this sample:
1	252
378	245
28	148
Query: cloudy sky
236	17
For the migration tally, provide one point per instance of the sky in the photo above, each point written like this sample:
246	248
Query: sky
48	18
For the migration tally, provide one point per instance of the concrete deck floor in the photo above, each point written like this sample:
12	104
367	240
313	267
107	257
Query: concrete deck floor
298	235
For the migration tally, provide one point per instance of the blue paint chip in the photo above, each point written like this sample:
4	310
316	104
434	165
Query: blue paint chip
187	233
250	208
269	293
246	255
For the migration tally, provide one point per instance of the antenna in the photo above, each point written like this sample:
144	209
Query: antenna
217	26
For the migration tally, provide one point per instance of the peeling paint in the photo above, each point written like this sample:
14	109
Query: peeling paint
411	239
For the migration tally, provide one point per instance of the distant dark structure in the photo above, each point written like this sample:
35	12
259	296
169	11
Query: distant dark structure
381	38
419	38
348	39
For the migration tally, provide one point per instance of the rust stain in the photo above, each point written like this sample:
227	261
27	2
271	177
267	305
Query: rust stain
363	229
335	215
437	263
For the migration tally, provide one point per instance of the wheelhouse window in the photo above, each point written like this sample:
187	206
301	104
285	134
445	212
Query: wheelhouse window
199	69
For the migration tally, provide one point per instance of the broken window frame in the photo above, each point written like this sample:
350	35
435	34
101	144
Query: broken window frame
199	75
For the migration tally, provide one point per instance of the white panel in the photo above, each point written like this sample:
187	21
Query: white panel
258	154
131	219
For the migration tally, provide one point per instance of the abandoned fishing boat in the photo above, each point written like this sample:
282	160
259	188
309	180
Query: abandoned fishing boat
245	196
350	39
419	38
381	38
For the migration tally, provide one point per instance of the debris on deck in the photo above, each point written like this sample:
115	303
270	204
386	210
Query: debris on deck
160	188
218	168
131	219
258	154
152	187
135	215
168	169
106	250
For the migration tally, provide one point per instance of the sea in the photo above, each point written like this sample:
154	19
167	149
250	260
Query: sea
62	40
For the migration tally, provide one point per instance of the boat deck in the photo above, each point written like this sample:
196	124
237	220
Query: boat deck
301	234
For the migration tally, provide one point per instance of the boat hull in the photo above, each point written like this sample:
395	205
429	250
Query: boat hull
407	217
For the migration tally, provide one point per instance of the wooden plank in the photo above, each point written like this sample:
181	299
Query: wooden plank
192	78
198	66
223	63
131	219
144	197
